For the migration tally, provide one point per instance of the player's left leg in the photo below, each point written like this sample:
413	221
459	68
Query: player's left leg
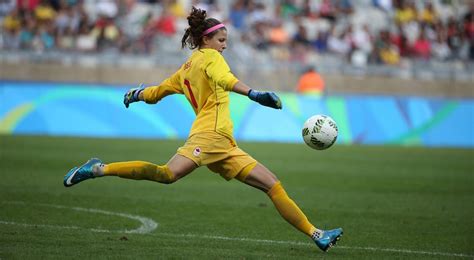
176	168
262	178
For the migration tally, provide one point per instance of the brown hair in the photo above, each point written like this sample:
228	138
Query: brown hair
197	25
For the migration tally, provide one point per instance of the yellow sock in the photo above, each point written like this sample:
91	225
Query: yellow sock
289	210
139	170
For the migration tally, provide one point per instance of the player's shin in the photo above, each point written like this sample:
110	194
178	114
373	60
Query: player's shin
289	210
139	170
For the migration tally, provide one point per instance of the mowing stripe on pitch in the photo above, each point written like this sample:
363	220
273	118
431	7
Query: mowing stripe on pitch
148	225
251	240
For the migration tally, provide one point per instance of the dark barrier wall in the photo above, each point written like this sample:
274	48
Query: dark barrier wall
279	80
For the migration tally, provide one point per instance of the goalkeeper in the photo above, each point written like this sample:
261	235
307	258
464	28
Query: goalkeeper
205	79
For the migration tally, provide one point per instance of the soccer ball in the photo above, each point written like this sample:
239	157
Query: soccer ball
319	132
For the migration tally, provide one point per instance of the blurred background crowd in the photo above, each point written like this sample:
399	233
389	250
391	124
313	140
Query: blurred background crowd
359	33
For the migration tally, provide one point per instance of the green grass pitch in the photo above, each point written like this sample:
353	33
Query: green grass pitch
393	203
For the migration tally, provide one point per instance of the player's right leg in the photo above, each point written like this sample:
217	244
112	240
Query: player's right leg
262	178
81	173
177	167
327	238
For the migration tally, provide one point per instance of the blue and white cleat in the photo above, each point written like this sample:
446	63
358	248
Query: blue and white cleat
328	238
82	173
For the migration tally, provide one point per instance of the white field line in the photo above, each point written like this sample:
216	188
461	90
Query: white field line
251	240
149	225
295	243
52	226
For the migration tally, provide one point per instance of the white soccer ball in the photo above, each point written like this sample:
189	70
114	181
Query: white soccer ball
320	132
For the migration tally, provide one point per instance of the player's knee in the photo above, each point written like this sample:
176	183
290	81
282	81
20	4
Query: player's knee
170	180
270	184
164	175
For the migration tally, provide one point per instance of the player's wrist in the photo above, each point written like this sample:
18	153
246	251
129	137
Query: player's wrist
253	94
138	95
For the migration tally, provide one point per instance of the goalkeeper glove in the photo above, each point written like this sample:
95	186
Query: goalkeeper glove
265	98
133	95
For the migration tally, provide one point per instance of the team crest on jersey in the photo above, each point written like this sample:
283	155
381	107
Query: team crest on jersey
197	151
187	65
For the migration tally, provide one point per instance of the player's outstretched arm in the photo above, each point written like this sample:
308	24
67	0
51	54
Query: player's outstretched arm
264	98
133	95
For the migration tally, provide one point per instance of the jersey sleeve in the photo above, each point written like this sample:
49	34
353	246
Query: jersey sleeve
169	86
218	71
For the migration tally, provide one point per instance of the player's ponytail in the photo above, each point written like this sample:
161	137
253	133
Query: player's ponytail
198	25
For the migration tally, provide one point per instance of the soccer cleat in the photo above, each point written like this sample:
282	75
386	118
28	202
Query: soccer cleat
82	173
328	239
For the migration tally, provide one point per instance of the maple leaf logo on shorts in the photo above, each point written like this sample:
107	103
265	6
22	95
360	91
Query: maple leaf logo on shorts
197	151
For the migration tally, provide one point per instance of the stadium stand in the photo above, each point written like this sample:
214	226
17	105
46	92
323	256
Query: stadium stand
427	41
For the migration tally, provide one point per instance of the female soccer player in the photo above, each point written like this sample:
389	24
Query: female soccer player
205	79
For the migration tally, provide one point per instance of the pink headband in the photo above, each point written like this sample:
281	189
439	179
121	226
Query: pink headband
213	28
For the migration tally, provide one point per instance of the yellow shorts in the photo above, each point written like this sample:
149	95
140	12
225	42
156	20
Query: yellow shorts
219	153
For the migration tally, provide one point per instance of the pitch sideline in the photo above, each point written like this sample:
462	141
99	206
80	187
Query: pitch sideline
149	225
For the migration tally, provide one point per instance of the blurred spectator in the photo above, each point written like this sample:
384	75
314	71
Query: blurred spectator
277	34
65	41
428	16
440	48
362	39
301	36
107	33
339	43
257	14
405	12
238	14
6	6
469	30
176	9
399	40
12	21
106	8
27	33
321	41
288	9
148	33
27	5
309	10
68	18
136	19
454	37
422	47
344	7
165	24
310	82
44	12
45	37
86	41
288	30
258	36
384	5
327	10
11	27
385	51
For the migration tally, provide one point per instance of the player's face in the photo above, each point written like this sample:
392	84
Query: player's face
218	42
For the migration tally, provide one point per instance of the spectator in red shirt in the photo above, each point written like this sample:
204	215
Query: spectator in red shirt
29	5
166	24
422	47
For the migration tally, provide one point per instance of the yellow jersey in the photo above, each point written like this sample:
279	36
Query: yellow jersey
205	79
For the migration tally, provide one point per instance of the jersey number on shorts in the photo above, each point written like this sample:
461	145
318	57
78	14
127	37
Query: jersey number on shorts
193	100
